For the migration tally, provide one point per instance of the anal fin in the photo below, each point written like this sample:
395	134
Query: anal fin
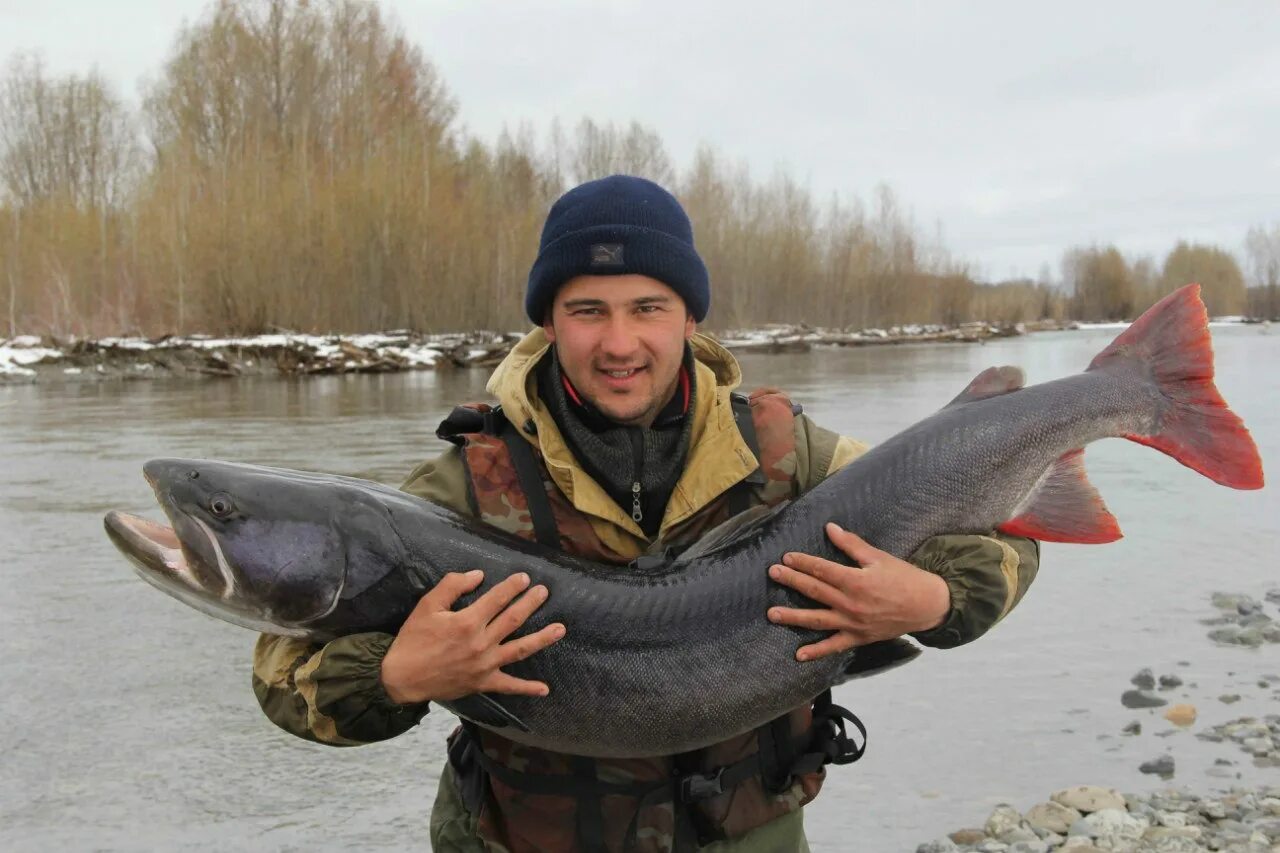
1065	507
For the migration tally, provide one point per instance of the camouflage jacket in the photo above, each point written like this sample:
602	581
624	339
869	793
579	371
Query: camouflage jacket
332	694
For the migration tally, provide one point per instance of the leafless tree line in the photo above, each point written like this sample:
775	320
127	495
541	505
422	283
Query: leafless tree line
300	165
1105	285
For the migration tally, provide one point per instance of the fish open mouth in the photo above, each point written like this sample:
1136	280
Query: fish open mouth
153	547
159	559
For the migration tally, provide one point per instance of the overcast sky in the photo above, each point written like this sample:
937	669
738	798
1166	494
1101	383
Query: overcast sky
1018	128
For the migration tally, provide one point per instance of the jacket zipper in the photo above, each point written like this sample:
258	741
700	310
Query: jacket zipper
637	444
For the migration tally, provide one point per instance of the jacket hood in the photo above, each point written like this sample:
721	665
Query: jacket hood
718	456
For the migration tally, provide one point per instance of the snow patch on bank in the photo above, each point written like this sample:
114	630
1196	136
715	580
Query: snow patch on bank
24	350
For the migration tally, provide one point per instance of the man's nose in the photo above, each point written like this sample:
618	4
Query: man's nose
620	339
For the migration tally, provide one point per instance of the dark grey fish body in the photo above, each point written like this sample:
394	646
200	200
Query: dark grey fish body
663	660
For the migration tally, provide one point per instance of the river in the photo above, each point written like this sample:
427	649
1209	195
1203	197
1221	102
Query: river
130	722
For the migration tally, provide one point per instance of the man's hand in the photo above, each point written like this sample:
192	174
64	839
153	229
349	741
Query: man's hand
443	654
885	598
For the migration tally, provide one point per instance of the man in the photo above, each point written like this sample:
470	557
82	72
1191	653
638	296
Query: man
618	438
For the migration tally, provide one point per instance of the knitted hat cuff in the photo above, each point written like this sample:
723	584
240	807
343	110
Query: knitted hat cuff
628	249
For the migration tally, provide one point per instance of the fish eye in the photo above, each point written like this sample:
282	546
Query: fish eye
221	505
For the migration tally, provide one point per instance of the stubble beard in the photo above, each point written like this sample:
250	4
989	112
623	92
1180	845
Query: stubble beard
648	413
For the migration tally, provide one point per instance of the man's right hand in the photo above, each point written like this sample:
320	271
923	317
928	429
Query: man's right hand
443	654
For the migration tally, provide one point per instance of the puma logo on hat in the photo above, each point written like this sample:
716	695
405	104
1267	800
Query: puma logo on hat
606	254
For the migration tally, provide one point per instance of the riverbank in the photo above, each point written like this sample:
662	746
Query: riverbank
1089	818
29	358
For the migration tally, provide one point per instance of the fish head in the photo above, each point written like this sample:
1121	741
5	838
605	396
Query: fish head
258	547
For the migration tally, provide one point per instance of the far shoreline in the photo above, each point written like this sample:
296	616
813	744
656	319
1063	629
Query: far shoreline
31	358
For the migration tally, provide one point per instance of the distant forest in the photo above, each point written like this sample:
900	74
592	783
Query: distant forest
300	165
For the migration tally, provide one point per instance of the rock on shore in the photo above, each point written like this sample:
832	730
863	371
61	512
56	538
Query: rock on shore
1089	818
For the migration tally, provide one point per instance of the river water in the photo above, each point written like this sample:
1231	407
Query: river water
130	723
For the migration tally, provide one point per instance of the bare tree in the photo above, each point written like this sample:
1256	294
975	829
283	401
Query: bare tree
1262	251
1101	283
1219	276
63	138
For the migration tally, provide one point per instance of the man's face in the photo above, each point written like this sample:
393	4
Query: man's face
621	340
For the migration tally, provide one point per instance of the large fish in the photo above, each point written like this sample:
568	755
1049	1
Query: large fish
661	659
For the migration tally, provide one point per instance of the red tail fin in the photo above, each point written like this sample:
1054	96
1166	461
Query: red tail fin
1196	428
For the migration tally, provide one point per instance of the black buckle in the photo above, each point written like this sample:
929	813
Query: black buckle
837	744
701	786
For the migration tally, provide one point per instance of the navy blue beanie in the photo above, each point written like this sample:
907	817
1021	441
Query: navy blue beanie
615	226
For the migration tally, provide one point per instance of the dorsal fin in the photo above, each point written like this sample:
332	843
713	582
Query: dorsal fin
992	382
1064	507
740	526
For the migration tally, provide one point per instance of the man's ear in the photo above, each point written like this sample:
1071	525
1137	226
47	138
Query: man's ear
548	328
690	326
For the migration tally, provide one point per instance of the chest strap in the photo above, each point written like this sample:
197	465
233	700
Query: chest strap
492	421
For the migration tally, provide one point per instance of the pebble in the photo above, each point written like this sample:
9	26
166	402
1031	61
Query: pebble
1002	819
1089	798
1228	600
1181	714
942	845
1032	846
1168	682
1143	679
1052	817
1248	606
1141	699
1162	766
968	836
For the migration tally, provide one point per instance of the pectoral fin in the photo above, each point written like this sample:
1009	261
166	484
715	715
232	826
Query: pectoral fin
875	658
735	529
487	711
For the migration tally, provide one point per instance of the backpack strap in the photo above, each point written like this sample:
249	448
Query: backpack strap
535	490
740	493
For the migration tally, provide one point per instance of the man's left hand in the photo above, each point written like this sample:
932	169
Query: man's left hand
885	598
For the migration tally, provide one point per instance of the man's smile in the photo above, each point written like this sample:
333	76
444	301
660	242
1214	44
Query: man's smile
621	378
